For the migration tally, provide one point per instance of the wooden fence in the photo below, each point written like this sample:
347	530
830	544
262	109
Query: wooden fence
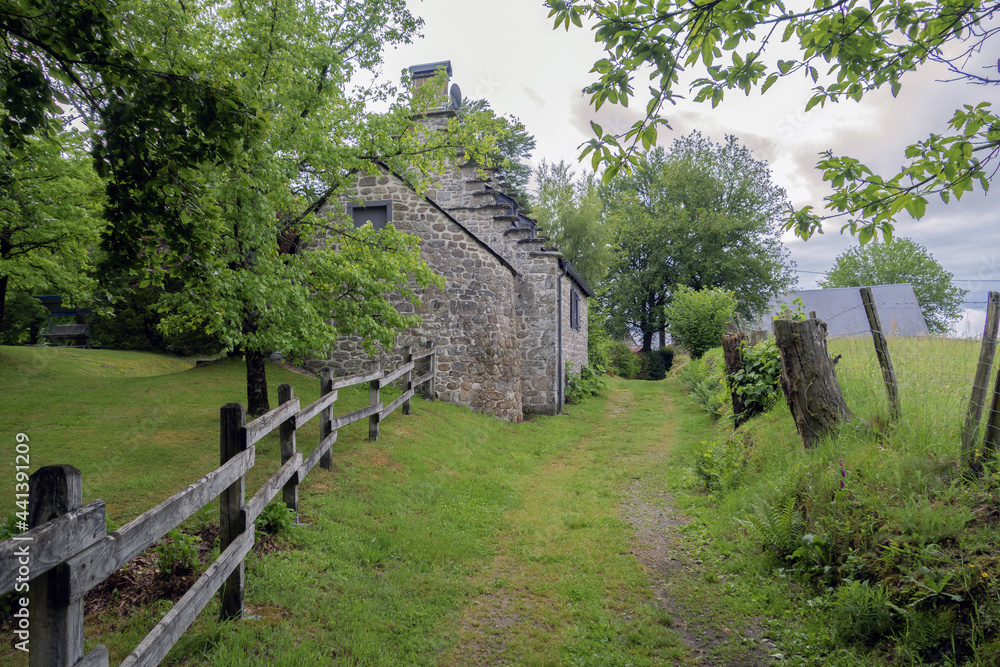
67	550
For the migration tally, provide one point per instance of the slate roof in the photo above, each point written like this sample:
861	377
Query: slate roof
842	310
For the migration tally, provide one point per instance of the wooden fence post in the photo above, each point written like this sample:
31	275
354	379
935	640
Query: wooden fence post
232	440
290	492
326	417
407	377
882	352
980	382
991	441
56	623
373	400
732	353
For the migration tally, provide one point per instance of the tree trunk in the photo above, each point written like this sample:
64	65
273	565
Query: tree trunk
257	403
733	353
3	298
808	378
647	340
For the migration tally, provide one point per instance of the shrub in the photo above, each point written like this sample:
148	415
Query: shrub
653	368
667	354
697	319
623	362
23	319
135	325
598	343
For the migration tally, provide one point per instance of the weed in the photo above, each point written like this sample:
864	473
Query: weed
722	466
376	552
178	554
276	519
588	382
861	612
703	377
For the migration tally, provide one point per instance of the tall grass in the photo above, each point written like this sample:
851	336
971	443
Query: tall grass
885	526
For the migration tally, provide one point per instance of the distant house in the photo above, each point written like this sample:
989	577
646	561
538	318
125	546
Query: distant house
844	313
513	311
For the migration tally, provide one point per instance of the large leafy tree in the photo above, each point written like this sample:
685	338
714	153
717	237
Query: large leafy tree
700	215
50	217
570	210
157	126
282	276
846	48
901	261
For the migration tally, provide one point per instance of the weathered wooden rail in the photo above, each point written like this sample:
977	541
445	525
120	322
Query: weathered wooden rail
67	550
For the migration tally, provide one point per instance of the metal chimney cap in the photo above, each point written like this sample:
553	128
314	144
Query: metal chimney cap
427	70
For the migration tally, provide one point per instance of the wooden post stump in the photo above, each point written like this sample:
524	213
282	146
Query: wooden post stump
732	351
808	378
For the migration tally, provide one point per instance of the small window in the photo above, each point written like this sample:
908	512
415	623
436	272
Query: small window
574	309
379	213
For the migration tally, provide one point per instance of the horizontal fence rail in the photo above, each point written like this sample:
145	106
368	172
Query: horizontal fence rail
71	551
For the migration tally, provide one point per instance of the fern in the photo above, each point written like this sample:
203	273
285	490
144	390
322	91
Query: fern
780	526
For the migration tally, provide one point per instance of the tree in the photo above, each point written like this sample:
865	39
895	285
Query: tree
282	276
901	261
571	212
701	215
697	318
513	149
156	128
50	202
864	47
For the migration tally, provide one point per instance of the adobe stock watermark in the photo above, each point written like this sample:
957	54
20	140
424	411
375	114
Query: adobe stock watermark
22	619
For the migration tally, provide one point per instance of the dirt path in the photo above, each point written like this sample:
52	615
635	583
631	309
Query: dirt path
517	612
660	548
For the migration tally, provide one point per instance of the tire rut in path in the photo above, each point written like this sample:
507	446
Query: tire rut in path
659	547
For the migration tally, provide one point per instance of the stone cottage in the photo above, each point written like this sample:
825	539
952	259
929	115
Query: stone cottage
513	311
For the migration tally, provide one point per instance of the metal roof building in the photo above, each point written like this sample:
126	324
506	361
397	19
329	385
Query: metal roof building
844	313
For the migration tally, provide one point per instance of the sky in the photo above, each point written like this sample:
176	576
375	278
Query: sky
507	52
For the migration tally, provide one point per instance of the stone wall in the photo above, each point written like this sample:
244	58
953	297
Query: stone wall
574	343
472	322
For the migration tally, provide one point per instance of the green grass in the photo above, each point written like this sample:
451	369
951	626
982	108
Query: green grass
456	539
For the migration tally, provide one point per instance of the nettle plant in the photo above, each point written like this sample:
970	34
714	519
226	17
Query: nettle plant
758	381
178	555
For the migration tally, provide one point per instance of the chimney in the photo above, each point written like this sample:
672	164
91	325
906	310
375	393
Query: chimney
421	74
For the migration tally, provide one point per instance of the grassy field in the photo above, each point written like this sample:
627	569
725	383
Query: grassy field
456	539
461	540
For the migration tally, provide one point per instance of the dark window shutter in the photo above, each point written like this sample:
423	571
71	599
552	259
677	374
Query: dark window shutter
574	309
377	215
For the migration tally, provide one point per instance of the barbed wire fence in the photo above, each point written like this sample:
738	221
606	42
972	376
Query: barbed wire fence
934	376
